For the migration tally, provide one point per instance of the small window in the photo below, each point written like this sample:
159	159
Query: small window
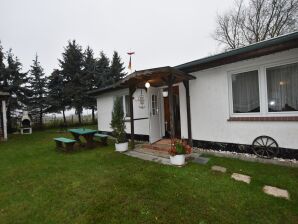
154	107
245	90
127	106
282	88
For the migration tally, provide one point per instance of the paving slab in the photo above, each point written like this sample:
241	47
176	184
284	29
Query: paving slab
201	160
148	157
219	169
276	192
241	177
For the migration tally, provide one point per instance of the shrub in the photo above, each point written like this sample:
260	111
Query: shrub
117	122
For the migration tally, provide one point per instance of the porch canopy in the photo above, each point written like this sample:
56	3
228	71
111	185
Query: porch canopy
157	77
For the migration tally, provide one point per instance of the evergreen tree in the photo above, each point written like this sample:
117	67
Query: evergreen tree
103	70
71	68
92	79
117	122
117	68
2	66
57	98
13	81
38	86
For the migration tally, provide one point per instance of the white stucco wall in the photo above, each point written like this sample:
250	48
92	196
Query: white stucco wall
105	108
210	107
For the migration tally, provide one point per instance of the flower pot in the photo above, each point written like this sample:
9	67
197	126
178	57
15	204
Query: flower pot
178	160
121	147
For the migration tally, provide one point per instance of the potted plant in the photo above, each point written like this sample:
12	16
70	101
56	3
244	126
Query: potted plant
177	152
118	126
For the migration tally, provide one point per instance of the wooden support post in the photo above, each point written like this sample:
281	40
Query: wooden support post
186	85
132	126
170	92
4	119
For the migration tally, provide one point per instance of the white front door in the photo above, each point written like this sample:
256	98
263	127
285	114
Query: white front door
154	114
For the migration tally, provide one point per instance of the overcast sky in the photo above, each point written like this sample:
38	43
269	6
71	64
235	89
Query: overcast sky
161	32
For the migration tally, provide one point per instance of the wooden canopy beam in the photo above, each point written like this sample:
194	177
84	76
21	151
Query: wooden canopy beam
186	85
132	89
170	91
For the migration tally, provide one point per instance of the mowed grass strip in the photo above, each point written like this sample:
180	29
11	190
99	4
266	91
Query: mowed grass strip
42	185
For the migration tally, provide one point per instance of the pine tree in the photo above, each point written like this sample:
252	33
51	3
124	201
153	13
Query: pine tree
117	122
117	68
103	70
14	82
92	79
71	68
2	65
57	98
38	86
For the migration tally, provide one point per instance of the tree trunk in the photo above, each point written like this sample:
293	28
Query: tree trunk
93	116
64	118
40	118
79	116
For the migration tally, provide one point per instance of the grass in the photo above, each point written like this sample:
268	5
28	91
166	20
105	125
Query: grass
41	185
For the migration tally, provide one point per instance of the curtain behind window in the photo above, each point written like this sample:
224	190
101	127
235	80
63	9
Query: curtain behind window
127	106
245	87
282	88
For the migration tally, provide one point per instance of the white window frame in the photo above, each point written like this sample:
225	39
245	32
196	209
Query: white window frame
124	105
231	104
262	89
272	65
122	95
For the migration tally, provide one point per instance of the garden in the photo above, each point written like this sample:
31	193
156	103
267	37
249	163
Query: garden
40	184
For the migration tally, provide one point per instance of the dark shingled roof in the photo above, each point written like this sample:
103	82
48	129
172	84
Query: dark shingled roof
262	48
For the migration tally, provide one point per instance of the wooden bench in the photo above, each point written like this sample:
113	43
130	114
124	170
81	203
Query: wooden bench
103	138
64	143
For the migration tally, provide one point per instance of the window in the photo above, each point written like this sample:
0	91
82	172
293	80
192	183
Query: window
127	105
154	107
282	88
245	91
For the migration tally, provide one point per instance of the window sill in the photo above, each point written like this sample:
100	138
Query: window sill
268	118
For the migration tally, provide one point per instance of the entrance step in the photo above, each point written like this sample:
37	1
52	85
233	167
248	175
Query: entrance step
151	151
157	147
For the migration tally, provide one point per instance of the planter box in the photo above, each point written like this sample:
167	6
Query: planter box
121	147
178	160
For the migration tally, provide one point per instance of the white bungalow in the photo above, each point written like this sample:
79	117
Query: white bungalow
224	101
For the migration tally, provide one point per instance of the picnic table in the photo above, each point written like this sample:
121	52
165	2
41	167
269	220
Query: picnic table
88	134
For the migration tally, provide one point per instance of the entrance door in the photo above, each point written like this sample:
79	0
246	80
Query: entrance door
154	114
176	106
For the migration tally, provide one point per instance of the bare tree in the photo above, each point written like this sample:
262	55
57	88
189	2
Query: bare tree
256	20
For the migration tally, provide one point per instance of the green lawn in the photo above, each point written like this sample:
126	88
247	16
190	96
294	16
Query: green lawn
41	185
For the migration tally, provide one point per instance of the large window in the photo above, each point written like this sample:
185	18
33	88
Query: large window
245	90
282	88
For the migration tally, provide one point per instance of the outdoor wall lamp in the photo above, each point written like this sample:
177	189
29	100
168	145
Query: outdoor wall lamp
165	93
147	85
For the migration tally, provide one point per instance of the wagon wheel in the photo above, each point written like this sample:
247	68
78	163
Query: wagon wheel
265	147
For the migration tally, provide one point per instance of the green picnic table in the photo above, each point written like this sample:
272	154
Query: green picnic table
88	134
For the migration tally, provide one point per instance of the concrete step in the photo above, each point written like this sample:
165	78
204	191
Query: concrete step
153	152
